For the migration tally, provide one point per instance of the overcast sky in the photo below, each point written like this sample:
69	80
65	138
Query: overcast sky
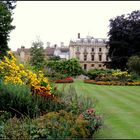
60	21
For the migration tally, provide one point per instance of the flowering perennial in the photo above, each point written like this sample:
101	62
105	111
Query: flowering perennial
66	80
18	74
95	121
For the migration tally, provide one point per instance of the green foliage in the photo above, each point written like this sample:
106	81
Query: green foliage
75	103
134	64
124	36
5	25
93	73
67	67
60	125
15	128
37	55
18	100
52	75
4	116
95	121
54	58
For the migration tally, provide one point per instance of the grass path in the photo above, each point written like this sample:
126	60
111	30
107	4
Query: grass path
119	105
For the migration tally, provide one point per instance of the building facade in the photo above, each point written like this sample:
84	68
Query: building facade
23	54
62	52
91	52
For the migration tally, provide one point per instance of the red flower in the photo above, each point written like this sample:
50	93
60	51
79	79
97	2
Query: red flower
81	116
90	110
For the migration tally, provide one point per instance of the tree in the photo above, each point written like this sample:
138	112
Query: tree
69	67
134	64
6	19
124	39
55	58
37	55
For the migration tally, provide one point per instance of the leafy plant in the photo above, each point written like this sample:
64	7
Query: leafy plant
93	73
60	124
75	103
134	64
67	67
18	100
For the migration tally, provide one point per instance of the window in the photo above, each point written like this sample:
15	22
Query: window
92	57
100	65
85	57
85	66
106	57
100	57
92	65
92	49
78	49
100	49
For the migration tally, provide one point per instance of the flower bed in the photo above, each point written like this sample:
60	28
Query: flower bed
112	83
65	80
10	71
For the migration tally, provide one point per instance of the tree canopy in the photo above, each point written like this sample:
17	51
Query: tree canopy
37	55
6	27
124	39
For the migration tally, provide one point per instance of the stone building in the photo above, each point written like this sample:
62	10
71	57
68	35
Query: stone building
62	51
91	52
22	54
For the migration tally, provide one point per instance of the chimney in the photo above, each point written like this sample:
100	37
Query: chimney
48	44
62	44
78	35
22	47
55	45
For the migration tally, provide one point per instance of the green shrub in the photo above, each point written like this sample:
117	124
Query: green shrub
75	103
93	73
121	75
15	128
134	64
69	67
52	75
95	121
18	100
60	125
4	116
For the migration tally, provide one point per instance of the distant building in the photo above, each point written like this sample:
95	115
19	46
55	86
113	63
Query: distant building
91	52
23	54
62	52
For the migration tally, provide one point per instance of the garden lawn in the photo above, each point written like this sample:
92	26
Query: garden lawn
119	105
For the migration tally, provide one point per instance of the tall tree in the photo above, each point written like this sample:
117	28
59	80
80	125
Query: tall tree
37	55
124	38
6	27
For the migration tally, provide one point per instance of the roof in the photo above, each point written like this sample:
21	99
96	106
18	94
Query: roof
64	49
49	51
89	39
26	50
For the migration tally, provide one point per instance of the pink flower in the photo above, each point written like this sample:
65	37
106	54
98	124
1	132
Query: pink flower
90	110
98	117
81	116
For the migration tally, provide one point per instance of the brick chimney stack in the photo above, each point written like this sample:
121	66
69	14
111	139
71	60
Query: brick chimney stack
78	35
